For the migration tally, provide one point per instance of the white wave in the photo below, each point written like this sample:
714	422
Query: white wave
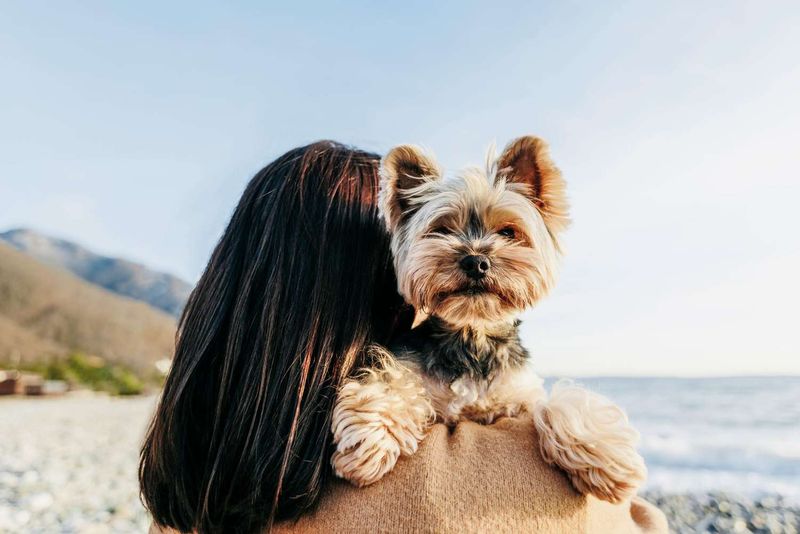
736	435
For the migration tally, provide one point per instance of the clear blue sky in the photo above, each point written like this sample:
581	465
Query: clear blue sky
132	128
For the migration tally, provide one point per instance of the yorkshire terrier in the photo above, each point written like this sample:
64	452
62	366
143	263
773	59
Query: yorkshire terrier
471	253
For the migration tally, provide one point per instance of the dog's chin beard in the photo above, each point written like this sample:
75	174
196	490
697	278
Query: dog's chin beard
472	303
466	293
473	291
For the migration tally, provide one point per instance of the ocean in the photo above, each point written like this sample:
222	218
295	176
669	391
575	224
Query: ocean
737	435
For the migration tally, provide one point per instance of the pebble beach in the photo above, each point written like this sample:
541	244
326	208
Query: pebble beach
68	465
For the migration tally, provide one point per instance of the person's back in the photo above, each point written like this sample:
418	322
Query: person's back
474	478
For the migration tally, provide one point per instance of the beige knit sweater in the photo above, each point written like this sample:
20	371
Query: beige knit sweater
474	478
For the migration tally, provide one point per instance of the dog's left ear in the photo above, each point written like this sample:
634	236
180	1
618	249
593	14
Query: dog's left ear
404	171
526	161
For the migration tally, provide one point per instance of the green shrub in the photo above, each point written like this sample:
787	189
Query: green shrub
100	375
127	383
92	372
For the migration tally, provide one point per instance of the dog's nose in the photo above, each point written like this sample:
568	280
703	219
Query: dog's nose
476	266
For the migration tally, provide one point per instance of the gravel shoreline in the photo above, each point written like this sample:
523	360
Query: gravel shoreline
721	512
69	465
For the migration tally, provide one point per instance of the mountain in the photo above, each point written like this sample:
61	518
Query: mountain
47	313
161	290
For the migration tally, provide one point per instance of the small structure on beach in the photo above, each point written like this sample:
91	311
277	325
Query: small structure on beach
16	383
9	381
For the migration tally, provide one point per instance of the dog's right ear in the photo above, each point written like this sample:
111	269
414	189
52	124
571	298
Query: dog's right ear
405	171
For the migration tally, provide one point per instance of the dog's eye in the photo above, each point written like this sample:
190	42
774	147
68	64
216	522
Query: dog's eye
443	230
508	232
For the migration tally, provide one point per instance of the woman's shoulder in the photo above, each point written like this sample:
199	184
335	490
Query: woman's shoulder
473	478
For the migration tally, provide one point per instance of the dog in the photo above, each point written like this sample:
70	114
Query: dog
471	252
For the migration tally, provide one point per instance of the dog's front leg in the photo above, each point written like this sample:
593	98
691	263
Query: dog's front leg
378	416
590	438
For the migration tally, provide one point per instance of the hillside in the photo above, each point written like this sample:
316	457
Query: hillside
161	290
47	312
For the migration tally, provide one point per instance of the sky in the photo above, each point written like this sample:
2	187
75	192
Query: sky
133	127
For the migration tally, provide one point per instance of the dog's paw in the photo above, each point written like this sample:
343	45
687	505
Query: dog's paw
377	419
591	439
365	454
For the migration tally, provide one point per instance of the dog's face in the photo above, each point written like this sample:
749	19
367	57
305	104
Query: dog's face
479	247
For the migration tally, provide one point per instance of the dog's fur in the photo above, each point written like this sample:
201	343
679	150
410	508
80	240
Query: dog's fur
471	253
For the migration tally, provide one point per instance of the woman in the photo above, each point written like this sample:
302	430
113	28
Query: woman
300	282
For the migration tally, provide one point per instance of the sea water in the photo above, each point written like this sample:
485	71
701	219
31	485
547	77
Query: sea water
737	435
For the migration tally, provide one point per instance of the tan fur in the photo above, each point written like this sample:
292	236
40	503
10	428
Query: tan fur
590	438
403	169
378	416
510	394
527	160
385	412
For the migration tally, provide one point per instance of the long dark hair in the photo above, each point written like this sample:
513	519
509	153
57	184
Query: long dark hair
299	283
